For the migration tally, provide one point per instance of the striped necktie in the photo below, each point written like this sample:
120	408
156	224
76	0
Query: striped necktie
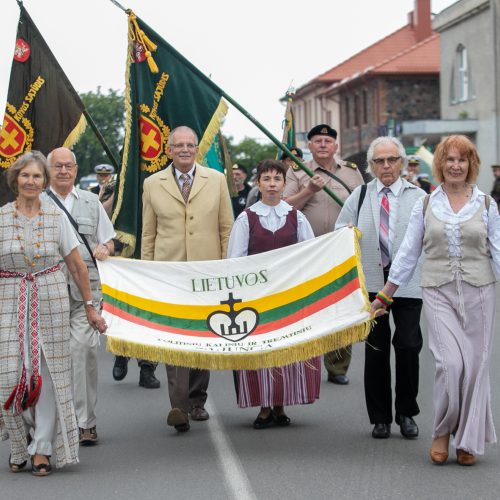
186	186
384	228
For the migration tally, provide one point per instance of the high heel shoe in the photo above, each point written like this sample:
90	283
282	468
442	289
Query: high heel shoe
43	469
465	458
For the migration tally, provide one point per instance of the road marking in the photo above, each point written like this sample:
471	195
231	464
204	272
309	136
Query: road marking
236	480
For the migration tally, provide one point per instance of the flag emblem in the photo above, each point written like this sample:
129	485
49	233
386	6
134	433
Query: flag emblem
138	52
14	139
151	139
22	50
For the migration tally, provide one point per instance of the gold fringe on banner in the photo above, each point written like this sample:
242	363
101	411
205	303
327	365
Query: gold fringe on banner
76	133
251	361
211	130
135	33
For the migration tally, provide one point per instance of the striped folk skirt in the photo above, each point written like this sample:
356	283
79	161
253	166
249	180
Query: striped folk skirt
295	384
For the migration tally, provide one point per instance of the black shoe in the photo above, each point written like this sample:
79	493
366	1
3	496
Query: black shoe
262	423
338	379
147	378
381	431
120	368
408	427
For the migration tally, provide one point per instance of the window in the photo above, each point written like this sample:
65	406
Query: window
365	107
356	110
346	112
461	87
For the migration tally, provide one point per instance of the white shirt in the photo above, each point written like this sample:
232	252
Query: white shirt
393	197
105	231
404	264
272	219
178	174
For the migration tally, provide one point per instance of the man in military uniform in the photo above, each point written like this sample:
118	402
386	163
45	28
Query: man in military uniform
495	192
105	188
239	200
306	194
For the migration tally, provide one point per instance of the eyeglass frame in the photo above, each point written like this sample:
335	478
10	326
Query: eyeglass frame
67	166
390	160
190	146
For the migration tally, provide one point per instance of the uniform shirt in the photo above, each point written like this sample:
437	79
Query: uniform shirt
105	231
321	210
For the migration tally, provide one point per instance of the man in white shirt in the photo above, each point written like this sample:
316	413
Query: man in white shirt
83	209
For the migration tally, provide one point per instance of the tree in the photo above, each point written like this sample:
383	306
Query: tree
249	151
108	112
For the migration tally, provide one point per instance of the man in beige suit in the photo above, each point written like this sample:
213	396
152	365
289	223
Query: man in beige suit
186	215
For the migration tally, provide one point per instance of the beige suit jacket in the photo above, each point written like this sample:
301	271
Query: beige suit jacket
173	230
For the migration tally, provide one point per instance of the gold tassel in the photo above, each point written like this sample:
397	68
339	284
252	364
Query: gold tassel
250	361
135	33
211	130
76	133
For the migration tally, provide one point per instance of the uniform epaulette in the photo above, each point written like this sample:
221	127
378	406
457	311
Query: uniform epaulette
351	165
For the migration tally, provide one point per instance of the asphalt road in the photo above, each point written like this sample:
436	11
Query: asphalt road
327	452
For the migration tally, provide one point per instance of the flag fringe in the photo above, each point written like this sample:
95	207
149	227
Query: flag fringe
129	241
250	361
76	133
212	130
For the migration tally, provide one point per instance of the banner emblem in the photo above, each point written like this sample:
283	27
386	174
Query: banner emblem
22	50
232	325
151	139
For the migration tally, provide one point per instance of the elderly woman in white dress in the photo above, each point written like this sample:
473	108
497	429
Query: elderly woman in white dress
458	228
268	224
36	405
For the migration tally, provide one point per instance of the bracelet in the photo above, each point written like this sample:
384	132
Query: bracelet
382	297
88	302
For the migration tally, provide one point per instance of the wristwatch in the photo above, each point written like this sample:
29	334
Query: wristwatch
88	302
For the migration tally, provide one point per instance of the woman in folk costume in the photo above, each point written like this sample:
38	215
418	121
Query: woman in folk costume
269	224
458	228
36	405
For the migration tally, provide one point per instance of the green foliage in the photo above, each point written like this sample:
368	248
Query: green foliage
249	151
107	111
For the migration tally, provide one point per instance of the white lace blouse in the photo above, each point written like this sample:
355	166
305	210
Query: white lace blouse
271	218
406	259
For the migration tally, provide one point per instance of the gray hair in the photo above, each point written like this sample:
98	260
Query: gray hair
385	140
29	157
181	128
49	156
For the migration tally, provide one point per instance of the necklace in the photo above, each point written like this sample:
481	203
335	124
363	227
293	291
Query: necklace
19	237
467	192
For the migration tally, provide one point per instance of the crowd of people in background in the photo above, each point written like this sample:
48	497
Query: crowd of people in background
438	247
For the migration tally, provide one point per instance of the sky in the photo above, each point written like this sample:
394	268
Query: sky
253	50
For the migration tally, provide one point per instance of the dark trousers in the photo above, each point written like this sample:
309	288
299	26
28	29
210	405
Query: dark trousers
407	342
187	387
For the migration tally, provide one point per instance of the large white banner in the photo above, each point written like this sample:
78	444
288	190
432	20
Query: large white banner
259	311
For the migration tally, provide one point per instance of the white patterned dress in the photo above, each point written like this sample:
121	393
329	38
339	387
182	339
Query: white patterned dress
56	241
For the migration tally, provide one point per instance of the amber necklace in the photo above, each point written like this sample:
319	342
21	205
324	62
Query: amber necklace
19	236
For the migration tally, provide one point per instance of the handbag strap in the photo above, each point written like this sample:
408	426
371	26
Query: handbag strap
73	222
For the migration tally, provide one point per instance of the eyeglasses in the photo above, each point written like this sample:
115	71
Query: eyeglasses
67	166
391	160
189	146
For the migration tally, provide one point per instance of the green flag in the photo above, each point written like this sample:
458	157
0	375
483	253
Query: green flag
43	109
288	126
163	91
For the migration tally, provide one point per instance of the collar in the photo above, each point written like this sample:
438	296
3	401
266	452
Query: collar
178	173
316	166
395	187
73	193
281	209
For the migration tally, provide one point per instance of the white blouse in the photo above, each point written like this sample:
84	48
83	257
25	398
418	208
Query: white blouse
405	262
271	218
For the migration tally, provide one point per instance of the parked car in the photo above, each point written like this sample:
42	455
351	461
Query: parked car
88	181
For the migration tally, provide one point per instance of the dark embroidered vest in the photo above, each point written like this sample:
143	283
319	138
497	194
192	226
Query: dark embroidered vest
263	240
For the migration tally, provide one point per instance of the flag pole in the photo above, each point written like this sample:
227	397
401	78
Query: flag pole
101	139
240	108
